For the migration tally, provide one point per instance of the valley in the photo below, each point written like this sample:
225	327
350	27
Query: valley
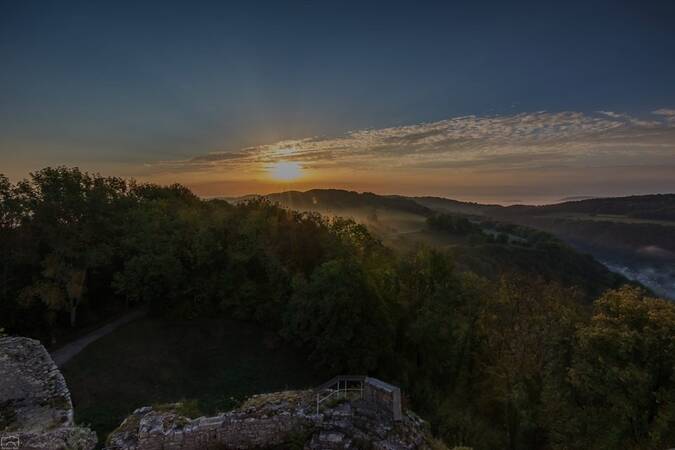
632	236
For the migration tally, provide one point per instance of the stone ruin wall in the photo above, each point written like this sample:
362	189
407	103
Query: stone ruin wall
272	420
385	396
157	430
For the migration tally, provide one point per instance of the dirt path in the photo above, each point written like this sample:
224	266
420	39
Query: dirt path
65	353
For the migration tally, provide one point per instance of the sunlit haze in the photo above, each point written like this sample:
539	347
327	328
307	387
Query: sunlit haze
286	171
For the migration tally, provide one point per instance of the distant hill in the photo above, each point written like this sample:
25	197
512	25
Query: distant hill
633	236
480	243
577	197
623	224
341	200
447	205
649	207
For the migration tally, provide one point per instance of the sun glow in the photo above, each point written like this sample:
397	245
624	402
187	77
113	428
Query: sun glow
286	171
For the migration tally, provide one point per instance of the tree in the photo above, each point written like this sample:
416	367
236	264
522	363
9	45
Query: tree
61	289
526	327
339	319
452	223
437	314
69	229
9	217
623	374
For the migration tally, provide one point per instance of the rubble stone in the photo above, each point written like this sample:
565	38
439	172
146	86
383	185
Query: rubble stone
35	406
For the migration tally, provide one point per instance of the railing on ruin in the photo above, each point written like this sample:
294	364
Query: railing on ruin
340	387
358	387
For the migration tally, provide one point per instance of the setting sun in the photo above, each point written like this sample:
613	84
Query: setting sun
284	170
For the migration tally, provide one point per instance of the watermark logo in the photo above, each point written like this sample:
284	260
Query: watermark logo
9	442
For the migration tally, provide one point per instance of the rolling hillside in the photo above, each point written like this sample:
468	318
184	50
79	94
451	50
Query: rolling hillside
482	245
633	236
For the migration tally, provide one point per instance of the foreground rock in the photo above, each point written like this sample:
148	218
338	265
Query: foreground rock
279	420
36	413
35	407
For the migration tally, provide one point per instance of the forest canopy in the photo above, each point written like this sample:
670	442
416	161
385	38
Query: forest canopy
514	362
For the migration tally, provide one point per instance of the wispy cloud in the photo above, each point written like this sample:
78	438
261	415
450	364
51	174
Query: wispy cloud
667	114
526	140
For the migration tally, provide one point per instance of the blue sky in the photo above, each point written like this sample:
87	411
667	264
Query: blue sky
124	88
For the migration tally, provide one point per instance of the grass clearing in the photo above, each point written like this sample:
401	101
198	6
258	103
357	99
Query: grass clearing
215	363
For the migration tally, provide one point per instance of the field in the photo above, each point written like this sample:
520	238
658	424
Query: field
608	218
151	361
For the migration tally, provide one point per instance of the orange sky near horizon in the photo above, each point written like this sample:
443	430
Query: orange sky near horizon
530	158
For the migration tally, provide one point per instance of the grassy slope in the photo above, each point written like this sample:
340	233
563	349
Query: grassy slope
150	361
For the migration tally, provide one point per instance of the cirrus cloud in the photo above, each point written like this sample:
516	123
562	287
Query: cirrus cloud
527	140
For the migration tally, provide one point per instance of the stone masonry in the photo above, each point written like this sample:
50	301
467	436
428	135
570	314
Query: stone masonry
35	407
269	421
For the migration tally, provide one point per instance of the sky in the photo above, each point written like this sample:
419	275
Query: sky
491	101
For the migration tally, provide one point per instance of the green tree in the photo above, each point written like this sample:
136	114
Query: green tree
623	374
9	221
68	232
339	319
527	327
60	289
438	312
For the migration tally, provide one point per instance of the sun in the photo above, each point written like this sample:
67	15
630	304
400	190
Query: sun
286	171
